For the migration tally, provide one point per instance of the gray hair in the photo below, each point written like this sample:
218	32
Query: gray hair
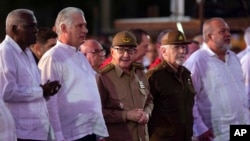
65	17
15	17
165	46
208	27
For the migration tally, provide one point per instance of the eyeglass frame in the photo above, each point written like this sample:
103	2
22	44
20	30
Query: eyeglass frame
122	50
97	51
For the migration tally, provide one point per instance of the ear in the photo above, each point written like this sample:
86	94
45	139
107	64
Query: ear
63	28
163	50
111	51
210	36
14	29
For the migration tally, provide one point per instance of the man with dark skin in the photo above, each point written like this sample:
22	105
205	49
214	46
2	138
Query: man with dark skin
20	78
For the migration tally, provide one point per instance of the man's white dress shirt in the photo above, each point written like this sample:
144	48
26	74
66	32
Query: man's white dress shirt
75	111
20	86
221	98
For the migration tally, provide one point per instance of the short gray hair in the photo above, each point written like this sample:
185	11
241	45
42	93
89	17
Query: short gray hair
15	17
208	27
65	17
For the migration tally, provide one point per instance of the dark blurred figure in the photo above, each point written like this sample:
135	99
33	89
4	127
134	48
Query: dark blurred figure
191	48
45	39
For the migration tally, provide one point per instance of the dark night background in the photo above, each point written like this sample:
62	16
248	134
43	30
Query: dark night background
46	12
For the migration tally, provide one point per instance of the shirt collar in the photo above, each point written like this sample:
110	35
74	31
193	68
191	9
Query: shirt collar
210	52
120	72
169	68
75	49
15	45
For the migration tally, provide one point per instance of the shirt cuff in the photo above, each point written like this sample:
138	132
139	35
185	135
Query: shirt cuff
124	116
199	129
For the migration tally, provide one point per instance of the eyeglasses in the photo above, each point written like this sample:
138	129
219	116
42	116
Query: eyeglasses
123	50
98	51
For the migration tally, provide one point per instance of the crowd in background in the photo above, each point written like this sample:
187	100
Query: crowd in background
57	84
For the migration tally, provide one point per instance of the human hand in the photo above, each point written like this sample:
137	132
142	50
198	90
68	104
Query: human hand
134	114
206	136
144	118
50	88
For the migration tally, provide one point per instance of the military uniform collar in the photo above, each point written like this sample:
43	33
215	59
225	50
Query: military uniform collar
170	68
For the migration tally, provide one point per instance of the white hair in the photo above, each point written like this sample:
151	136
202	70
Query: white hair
65	17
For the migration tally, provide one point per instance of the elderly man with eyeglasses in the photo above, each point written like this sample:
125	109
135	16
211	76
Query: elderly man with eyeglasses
94	52
126	100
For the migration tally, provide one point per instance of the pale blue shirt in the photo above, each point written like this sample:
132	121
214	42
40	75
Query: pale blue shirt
245	62
20	85
75	111
7	126
221	98
241	54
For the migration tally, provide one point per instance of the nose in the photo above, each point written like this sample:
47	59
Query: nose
85	29
125	53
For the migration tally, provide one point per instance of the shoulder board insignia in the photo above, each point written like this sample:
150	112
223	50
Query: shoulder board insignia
159	67
107	68
138	65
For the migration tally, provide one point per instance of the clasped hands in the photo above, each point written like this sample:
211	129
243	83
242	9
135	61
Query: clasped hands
137	115
50	88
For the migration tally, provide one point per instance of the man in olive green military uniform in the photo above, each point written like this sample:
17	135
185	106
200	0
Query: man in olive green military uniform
126	100
173	92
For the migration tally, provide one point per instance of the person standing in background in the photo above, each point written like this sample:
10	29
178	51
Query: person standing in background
151	54
45	39
221	99
75	112
247	41
94	52
143	40
191	48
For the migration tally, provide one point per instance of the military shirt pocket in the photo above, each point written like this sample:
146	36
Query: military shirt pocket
118	100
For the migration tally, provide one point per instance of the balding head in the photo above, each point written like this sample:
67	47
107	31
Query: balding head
94	52
17	17
209	25
89	45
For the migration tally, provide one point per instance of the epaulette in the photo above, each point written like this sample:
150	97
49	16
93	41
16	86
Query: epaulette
159	67
138	65
107	68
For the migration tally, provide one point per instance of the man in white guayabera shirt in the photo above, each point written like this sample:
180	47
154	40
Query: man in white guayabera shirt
217	76
20	80
75	112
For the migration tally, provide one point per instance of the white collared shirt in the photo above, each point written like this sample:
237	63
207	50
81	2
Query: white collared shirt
221	98
245	62
7	127
75	111
20	86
